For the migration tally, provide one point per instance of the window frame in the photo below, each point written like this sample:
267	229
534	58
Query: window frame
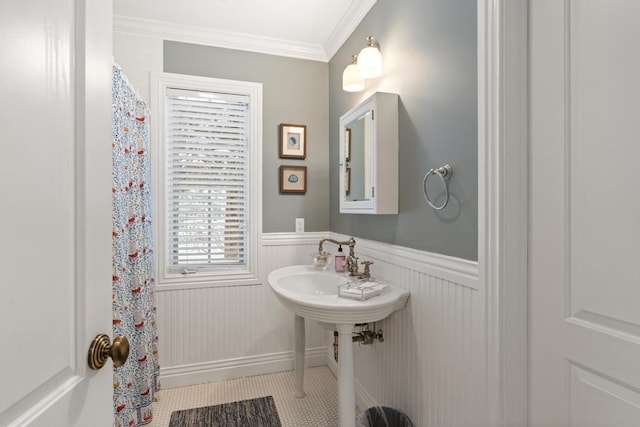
206	278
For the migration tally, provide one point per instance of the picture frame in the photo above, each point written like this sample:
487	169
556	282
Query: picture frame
347	145
293	141
347	181
293	179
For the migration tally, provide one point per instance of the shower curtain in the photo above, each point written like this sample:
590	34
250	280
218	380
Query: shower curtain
134	302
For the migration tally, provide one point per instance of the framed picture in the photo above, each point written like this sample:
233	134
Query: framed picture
347	181
293	141
293	179
347	145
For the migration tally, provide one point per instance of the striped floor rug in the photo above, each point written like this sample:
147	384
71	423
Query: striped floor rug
260	412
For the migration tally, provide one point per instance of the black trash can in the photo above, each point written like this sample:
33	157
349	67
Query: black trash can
383	416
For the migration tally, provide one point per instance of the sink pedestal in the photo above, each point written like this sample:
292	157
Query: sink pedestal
299	350
346	380
346	376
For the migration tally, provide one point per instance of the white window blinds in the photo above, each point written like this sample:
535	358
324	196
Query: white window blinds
207	179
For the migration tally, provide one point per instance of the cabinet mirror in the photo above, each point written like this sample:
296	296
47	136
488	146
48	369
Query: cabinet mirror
357	154
369	156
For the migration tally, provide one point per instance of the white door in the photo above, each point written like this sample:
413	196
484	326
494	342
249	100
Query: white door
585	213
55	203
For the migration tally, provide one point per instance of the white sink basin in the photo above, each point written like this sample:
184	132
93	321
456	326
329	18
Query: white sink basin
313	294
313	283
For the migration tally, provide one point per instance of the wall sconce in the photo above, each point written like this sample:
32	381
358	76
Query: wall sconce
370	60
351	80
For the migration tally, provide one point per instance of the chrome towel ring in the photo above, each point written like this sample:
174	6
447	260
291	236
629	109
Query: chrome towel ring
444	172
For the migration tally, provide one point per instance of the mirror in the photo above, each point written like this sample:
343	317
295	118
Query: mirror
357	158
369	156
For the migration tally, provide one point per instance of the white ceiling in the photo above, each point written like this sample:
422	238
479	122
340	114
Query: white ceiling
309	29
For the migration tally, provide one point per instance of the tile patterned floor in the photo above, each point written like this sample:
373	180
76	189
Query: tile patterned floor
317	409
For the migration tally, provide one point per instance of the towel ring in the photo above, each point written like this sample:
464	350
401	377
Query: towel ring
444	173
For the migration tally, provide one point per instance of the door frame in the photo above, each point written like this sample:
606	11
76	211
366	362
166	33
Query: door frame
503	194
502	55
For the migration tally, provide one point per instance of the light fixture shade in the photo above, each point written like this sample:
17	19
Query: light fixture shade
370	60
351	81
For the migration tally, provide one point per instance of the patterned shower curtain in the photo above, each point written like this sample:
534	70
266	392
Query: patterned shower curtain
134	301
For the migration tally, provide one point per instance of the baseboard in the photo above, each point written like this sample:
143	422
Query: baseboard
199	373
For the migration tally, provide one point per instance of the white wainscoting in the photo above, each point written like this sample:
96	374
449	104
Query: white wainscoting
224	332
431	363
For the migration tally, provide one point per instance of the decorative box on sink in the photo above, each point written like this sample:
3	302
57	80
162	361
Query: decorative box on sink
362	291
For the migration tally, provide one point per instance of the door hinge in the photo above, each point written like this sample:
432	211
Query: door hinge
373	114
373	192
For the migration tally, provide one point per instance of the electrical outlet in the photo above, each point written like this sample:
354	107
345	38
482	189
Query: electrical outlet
299	225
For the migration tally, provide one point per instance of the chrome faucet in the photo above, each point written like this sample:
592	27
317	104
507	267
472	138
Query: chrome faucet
351	260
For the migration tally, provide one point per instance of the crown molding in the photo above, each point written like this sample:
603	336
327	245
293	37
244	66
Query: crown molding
224	39
355	13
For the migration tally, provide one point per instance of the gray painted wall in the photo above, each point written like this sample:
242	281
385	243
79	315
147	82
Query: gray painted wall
429	51
294	91
429	54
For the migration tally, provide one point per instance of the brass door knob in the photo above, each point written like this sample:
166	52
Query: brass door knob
101	349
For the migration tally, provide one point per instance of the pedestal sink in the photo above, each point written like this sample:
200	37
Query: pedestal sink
313	294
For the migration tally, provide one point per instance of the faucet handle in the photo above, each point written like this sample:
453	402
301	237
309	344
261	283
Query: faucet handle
366	266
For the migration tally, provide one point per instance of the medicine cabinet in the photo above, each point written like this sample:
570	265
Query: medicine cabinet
369	156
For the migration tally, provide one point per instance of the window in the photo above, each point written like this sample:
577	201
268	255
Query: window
208	199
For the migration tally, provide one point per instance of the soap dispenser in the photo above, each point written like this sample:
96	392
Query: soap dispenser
340	260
